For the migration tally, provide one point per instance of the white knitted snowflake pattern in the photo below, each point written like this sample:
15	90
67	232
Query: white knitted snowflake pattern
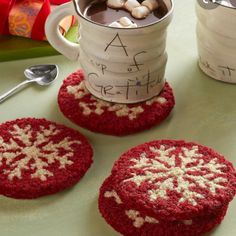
34	151
164	174
138	220
135	216
97	106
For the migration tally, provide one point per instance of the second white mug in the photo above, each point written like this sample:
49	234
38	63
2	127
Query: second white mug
216	37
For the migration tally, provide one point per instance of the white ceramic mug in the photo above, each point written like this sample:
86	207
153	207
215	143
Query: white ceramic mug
216	37
120	65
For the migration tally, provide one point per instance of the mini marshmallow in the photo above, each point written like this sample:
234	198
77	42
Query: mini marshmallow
150	4
115	3
140	12
116	25
131	4
125	21
134	25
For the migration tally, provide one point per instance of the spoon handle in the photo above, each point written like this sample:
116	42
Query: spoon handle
13	90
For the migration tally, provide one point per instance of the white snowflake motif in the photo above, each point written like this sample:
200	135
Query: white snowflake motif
165	174
97	106
36	153
138	220
135	216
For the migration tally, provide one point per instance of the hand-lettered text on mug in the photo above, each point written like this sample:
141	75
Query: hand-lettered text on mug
142	83
224	72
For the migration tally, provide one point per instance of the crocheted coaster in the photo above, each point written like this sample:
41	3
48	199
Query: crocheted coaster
130	222
77	104
39	157
174	180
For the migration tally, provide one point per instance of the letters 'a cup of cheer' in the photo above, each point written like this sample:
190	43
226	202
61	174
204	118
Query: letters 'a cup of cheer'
216	37
121	46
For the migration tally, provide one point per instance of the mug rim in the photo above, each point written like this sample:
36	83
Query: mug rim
170	12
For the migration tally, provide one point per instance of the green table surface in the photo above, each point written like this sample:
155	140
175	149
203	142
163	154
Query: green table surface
205	112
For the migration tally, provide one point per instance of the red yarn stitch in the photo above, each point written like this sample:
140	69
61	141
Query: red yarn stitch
28	187
108	122
115	215
136	197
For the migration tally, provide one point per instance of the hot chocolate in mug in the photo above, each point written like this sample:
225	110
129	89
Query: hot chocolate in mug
122	65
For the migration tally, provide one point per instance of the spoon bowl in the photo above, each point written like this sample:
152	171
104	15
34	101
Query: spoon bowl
40	74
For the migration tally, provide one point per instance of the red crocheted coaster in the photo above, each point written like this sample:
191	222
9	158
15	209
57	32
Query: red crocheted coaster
130	222
77	104
39	157
174	180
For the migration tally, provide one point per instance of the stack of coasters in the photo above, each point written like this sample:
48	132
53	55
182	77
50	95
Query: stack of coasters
170	188
82	108
39	157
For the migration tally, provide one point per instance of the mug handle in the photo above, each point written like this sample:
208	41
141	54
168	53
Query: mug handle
55	38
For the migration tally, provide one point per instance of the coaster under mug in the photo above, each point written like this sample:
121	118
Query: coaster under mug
94	114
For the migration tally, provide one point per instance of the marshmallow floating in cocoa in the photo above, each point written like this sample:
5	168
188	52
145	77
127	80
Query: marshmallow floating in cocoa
115	3
131	4
140	12
150	4
137	10
123	22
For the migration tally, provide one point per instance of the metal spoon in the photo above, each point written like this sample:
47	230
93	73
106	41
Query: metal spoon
41	74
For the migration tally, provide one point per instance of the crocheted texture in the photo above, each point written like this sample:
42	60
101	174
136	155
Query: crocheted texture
131	222
174	180
77	104
39	157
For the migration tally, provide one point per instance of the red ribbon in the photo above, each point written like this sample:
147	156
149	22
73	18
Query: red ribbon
58	2
38	32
